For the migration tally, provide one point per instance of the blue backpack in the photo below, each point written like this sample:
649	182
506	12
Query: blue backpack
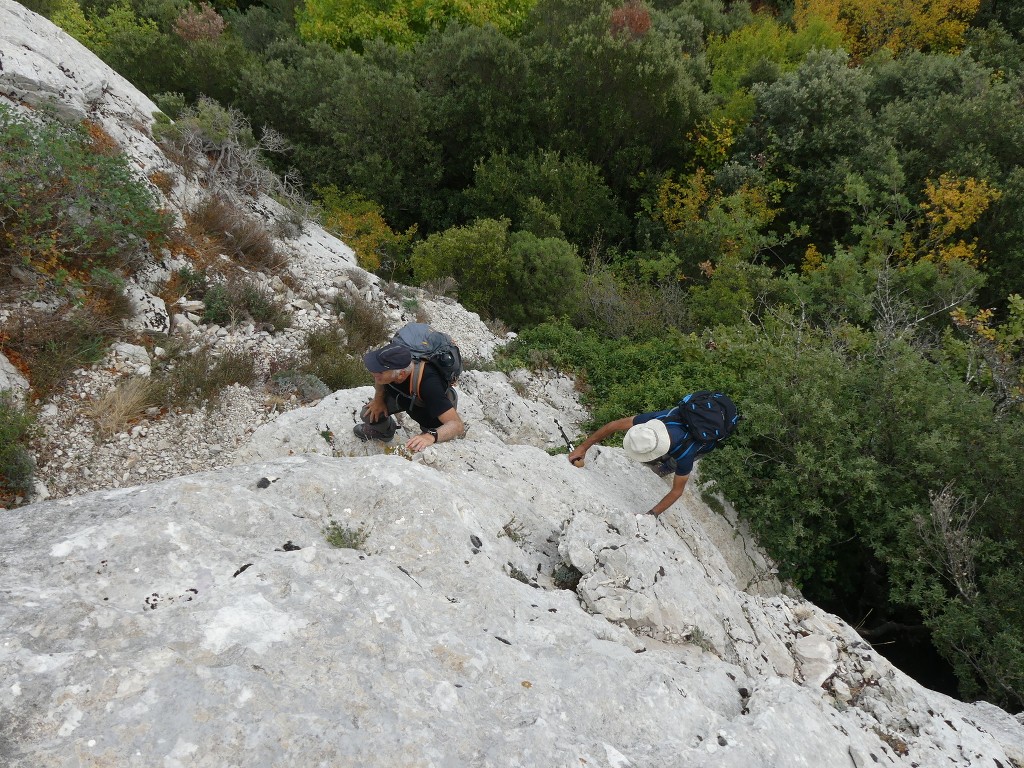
707	417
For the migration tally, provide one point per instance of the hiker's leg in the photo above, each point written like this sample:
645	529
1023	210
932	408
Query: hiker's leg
383	428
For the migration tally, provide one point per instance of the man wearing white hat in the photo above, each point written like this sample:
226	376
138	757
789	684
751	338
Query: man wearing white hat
651	437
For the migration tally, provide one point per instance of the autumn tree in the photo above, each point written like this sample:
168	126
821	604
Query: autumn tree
898	25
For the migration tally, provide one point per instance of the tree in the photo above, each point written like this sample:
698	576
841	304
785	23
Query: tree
351	23
568	187
897	25
808	131
517	276
476	83
624	101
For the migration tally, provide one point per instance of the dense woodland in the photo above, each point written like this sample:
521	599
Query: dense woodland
817	208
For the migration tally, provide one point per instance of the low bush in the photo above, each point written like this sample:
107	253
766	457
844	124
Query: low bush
52	343
364	324
70	205
16	463
123	404
517	276
345	537
332	361
229	301
198	377
238	235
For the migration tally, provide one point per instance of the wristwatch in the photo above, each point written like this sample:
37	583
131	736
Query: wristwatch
432	433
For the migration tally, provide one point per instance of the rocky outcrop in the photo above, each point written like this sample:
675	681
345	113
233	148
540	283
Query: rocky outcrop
206	621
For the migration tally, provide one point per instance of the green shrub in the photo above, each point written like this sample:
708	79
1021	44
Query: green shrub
71	204
569	188
566	577
345	537
16	462
333	363
196	378
519	277
365	325
259	303
217	305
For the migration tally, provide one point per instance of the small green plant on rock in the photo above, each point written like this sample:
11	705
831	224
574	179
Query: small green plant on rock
345	537
566	577
513	529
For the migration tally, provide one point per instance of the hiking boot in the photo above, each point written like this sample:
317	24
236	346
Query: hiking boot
366	432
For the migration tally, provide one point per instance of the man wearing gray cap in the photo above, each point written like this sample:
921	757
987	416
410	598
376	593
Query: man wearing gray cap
432	405
670	440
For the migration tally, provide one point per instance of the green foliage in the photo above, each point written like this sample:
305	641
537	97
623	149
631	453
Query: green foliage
70	203
809	147
331	361
349	23
570	189
566	577
16	463
344	536
519	277
623	100
479	96
217	305
761	51
370	107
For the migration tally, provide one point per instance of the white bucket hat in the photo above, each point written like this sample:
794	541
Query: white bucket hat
647	441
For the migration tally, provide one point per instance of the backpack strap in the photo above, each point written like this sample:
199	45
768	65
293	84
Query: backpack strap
419	367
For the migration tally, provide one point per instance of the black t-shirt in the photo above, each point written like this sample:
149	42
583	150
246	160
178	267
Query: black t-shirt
433	393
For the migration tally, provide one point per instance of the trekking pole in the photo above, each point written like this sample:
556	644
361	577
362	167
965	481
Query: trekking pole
568	444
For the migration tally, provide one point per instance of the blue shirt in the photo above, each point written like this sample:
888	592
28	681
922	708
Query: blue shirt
682	451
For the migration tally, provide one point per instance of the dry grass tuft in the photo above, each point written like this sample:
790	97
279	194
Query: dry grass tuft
122	405
239	235
365	325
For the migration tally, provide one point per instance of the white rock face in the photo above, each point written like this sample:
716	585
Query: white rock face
40	65
206	621
11	380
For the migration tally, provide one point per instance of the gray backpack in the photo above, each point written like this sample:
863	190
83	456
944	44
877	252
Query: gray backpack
429	346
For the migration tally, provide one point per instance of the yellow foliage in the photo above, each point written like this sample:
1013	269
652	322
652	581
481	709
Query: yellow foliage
361	225
712	140
813	260
681	204
899	25
951	206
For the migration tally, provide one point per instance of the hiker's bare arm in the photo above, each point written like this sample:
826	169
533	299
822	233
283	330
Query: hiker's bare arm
678	484
376	408
619	425
451	428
